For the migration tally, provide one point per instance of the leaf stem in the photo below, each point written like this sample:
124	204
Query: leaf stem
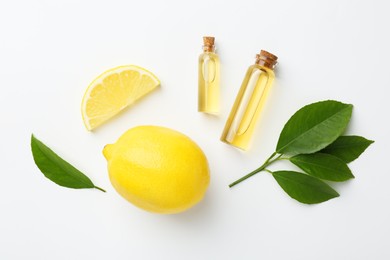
96	187
261	168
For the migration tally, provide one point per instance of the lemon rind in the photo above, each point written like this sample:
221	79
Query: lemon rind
99	79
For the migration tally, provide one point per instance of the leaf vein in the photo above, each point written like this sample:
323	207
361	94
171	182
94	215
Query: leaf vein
310	129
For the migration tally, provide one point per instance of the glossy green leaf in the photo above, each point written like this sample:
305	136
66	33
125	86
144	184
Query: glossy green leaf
304	188
314	127
56	169
348	148
323	166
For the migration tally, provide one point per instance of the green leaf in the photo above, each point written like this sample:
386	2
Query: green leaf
348	148
314	127
304	188
323	166
56	169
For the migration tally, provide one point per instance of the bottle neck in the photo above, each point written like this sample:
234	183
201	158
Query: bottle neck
266	64
208	48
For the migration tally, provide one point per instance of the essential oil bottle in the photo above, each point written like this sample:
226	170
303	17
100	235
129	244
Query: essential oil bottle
208	89
251	97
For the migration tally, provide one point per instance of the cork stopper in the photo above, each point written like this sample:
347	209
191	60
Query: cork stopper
208	44
266	59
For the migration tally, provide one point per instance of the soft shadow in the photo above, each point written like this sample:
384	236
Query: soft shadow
340	186
200	214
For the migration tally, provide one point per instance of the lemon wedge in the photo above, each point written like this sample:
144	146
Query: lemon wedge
113	91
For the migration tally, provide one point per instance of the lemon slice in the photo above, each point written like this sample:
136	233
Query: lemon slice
113	91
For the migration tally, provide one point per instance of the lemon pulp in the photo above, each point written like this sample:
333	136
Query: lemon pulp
114	90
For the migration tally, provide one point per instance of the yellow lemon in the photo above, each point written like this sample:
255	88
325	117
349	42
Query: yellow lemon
158	169
113	91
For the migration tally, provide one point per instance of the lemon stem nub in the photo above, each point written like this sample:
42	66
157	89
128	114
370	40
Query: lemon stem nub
107	151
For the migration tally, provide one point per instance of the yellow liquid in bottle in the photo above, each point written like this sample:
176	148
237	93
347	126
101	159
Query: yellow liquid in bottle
245	113
208	89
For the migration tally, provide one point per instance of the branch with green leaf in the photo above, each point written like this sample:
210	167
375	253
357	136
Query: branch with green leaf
57	169
311	139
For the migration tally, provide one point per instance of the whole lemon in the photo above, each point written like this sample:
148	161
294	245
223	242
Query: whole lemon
158	169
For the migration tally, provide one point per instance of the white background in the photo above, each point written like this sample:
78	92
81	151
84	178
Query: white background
51	50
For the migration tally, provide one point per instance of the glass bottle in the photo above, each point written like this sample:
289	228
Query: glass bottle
208	78
251	97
